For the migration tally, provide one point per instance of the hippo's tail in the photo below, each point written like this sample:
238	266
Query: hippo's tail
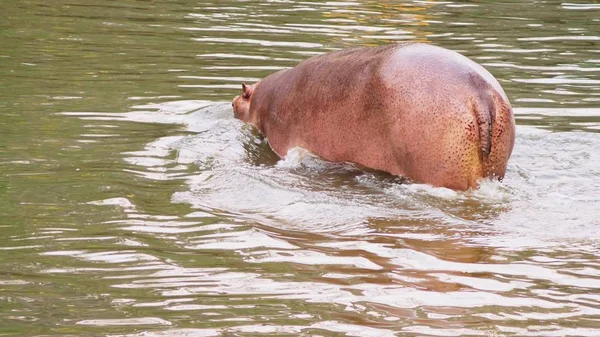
496	132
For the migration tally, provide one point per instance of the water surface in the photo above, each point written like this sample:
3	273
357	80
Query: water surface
133	204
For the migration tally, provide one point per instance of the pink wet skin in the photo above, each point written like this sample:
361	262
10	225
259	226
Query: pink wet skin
415	110
241	103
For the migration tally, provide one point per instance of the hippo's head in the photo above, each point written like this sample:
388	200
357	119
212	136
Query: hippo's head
241	103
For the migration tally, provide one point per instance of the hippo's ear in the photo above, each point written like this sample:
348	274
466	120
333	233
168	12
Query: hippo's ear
246	91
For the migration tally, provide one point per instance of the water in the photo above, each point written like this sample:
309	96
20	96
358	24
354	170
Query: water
133	204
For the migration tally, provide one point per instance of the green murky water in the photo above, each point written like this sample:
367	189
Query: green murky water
133	204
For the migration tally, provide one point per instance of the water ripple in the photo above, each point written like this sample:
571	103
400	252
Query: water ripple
145	209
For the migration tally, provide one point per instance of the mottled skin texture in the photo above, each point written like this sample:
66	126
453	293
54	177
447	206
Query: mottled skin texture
416	110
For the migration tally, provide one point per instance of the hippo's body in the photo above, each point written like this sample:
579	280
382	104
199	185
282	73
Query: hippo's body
416	110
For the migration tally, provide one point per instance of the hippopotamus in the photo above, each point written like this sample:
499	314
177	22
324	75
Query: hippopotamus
414	110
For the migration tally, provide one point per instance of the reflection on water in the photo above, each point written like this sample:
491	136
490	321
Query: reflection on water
135	205
378	252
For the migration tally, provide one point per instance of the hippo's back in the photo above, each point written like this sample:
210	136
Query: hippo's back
410	109
317	101
424	67
458	117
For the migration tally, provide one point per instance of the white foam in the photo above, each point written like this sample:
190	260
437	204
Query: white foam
296	157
